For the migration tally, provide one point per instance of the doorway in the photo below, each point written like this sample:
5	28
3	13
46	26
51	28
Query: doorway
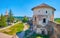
43	32
44	20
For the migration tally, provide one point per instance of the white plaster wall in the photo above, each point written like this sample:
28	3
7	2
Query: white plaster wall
38	31
42	11
40	22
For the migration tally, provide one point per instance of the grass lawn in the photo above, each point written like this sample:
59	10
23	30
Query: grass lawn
14	29
57	20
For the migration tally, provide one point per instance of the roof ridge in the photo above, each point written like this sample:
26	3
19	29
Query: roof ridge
44	5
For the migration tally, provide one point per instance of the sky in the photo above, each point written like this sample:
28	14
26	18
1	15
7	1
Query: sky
23	7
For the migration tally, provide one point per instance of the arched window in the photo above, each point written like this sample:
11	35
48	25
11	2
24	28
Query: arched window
44	20
46	11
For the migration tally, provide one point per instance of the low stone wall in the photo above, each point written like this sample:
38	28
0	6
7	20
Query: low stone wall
56	28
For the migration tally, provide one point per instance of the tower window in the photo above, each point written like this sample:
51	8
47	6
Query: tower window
46	11
44	20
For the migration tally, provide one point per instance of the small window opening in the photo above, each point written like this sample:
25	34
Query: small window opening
46	11
44	20
43	32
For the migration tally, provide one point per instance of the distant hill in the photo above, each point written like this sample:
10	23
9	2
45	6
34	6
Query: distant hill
20	17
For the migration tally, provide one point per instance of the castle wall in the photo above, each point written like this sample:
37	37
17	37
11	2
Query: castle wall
39	31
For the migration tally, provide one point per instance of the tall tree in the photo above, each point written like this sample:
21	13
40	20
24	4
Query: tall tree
25	19
11	17
3	21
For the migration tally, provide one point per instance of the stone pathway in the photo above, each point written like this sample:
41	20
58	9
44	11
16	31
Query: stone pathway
26	27
2	35
21	35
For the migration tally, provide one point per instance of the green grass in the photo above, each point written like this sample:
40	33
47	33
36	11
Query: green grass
14	29
57	20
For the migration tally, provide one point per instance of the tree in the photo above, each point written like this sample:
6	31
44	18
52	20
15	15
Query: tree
11	17
3	21
25	19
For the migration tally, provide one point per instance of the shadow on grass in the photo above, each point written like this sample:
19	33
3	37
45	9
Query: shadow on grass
34	35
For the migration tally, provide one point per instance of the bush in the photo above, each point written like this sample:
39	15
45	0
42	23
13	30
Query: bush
25	19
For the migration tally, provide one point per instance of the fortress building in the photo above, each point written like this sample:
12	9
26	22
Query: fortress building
6	13
42	14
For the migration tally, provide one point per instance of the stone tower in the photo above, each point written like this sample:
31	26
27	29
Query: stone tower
41	15
6	13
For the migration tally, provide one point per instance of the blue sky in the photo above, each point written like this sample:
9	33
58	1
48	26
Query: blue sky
23	7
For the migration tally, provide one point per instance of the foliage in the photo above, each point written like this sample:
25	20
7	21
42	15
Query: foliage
38	35
3	21
25	19
10	17
14	29
34	35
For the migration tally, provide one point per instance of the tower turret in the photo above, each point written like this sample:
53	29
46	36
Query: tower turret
42	14
6	13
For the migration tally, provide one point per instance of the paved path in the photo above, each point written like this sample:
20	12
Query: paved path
2	35
30	34
21	35
26	27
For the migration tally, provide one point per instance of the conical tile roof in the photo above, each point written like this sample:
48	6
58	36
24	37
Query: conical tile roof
43	5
